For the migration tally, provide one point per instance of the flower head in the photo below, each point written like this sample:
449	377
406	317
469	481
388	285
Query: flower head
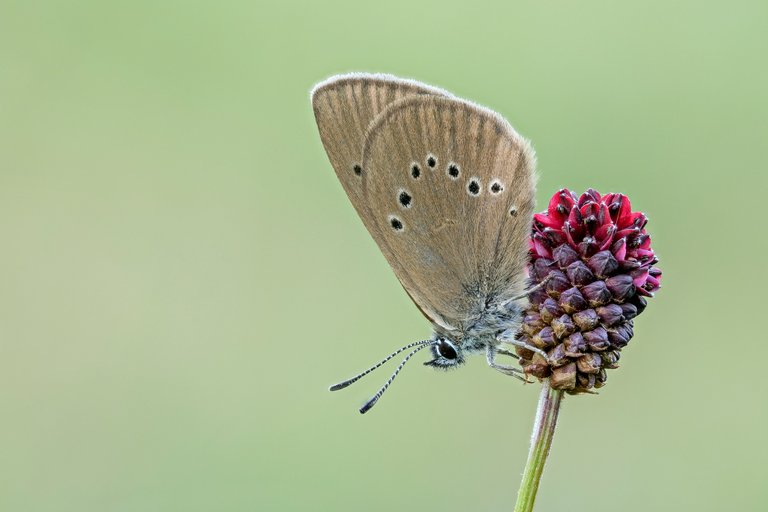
596	257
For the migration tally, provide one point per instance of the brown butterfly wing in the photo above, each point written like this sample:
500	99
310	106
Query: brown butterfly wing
344	106
456	234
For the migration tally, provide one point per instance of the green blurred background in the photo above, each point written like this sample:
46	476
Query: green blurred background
181	275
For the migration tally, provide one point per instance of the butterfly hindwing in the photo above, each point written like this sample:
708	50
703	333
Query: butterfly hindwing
455	233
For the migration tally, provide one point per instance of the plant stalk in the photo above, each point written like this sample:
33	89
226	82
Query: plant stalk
541	441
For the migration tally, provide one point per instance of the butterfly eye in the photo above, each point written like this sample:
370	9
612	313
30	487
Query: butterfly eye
446	350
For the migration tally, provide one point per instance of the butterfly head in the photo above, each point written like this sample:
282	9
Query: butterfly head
446	353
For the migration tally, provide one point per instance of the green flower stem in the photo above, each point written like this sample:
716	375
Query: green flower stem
541	441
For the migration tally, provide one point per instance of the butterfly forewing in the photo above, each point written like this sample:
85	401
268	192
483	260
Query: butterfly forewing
344	106
456	233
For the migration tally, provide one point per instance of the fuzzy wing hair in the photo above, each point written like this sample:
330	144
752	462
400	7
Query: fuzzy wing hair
457	234
344	107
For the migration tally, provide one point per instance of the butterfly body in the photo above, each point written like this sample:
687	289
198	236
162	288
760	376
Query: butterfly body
446	189
483	335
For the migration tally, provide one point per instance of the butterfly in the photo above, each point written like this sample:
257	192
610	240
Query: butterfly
446	189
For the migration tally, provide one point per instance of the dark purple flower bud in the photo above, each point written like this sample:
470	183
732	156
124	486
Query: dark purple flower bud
579	274
597	293
629	310
640	303
575	345
588	246
557	356
541	268
610	315
537	296
621	287
571	300
538	368
563	326
564	255
603	264
550	310
524	353
532	323
585	381
589	363
600	378
563	377
545	338
628	266
586	320
610	359
597	339
619	336
557	283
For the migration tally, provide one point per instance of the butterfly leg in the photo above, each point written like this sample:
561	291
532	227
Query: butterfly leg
504	352
508	337
526	346
517	373
530	290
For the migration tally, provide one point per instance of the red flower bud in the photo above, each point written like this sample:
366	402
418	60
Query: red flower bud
596	256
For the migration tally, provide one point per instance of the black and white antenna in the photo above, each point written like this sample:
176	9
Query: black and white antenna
370	403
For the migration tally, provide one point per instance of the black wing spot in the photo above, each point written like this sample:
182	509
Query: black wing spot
431	162
453	171
474	187
496	187
415	171
396	223
513	211
405	199
357	169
